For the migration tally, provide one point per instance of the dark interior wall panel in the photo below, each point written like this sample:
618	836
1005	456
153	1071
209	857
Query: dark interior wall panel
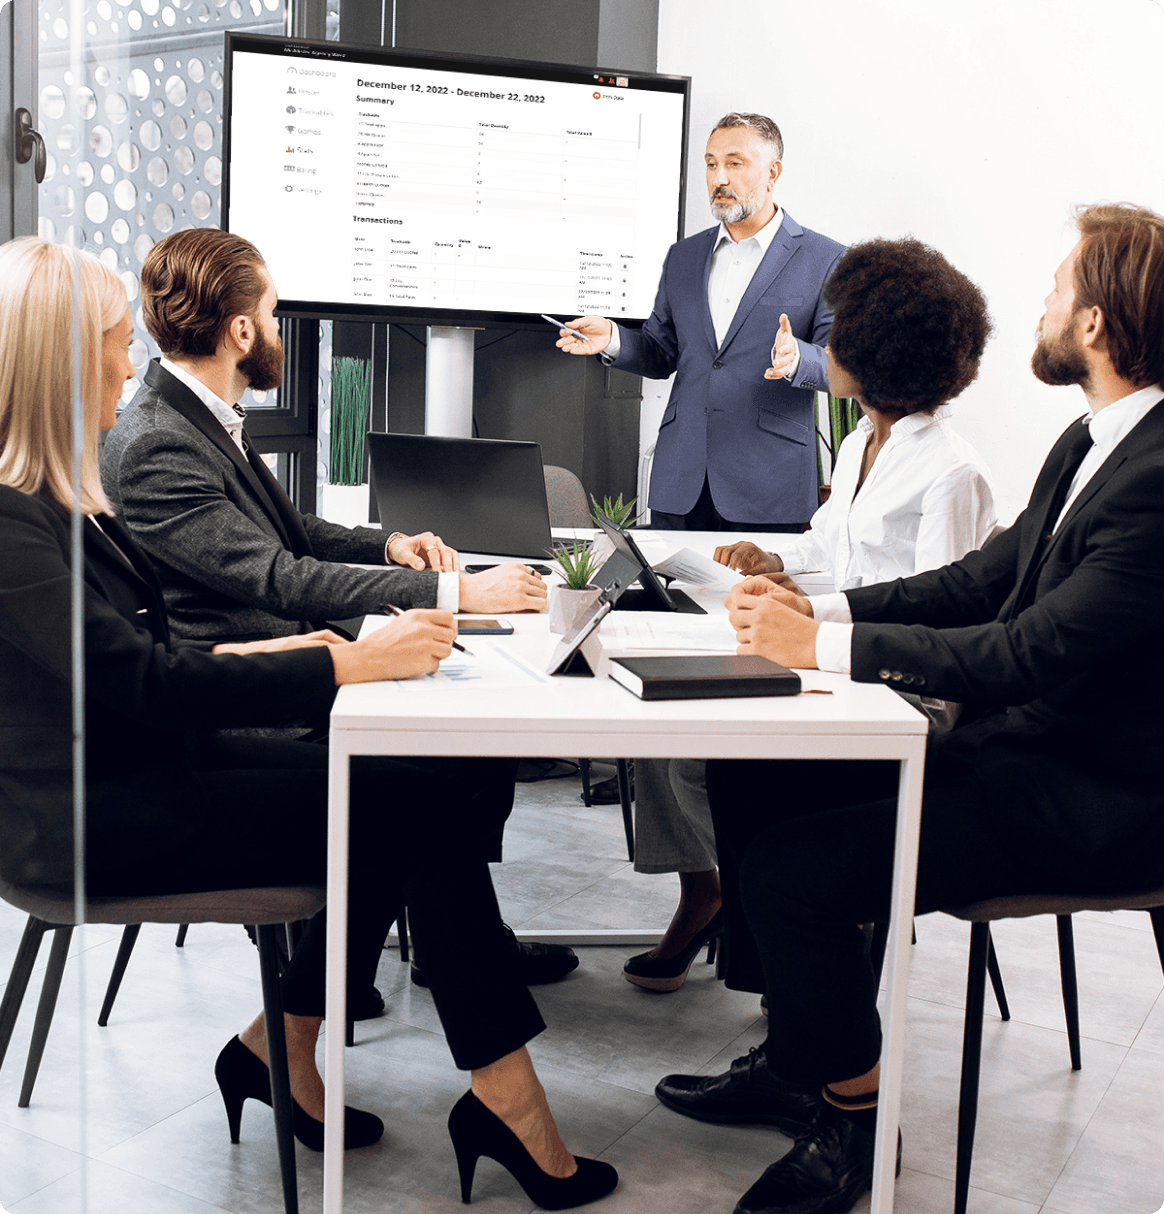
554	31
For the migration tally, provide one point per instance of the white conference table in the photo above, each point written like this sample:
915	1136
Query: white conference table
590	716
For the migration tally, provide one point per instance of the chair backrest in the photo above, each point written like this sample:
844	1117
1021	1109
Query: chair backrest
566	498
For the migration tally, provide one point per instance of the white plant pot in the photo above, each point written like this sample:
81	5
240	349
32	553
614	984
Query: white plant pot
568	606
345	504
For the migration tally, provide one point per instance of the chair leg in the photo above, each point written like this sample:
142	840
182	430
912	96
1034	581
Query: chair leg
996	978
1070	986
1157	916
183	928
878	941
277	1063
971	1061
402	934
26	954
624	796
44	1009
584	772
124	949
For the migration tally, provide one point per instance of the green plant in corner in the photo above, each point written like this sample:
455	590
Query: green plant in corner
843	416
350	399
616	511
577	563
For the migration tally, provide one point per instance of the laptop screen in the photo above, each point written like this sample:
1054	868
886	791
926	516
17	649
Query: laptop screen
478	494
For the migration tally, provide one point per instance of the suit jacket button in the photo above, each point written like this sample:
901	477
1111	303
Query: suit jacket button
883	674
919	679
907	678
896	676
717	365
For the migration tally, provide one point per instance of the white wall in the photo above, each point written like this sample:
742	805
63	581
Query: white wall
973	127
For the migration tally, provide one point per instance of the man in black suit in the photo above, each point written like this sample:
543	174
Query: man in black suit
1053	781
236	561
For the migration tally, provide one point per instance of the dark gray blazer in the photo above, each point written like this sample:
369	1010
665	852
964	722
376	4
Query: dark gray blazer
235	559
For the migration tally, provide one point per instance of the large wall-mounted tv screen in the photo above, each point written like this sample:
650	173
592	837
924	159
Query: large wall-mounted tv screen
459	190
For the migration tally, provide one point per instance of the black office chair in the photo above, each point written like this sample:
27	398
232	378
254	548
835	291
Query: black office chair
54	910
980	915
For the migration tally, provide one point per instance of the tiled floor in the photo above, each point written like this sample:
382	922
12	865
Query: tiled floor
127	1120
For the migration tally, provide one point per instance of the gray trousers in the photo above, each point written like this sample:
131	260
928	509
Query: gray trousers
673	830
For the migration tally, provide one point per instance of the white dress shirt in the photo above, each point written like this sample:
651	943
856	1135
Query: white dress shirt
733	266
1112	424
925	502
231	419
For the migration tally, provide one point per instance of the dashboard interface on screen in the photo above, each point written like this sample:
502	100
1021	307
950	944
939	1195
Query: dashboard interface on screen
387	183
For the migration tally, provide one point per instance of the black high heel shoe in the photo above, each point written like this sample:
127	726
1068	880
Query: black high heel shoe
241	1074
476	1131
657	974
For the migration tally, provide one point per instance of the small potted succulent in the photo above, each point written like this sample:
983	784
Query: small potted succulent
568	603
613	511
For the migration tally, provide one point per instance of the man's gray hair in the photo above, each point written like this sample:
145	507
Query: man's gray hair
764	127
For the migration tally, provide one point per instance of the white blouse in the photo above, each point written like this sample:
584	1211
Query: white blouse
926	502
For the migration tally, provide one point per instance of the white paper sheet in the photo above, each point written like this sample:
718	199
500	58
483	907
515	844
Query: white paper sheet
697	570
488	666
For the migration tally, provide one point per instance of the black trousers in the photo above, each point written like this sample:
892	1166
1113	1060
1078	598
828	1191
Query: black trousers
421	832
806	855
703	516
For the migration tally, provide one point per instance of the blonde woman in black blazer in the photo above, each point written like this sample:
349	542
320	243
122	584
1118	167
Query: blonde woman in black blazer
172	806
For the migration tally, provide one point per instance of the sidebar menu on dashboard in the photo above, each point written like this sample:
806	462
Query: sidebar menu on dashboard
400	186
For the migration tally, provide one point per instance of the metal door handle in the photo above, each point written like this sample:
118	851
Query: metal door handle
28	142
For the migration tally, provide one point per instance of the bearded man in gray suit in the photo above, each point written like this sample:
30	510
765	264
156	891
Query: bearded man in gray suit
236	560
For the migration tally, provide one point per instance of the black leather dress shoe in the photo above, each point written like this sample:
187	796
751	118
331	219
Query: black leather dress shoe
746	1094
537	963
826	1172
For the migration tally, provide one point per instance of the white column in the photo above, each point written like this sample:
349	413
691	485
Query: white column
448	393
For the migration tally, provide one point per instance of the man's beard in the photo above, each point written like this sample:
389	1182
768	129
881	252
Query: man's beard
263	366
1059	360
736	210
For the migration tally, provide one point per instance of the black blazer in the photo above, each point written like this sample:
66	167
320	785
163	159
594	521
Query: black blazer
235	559
1057	648
144	698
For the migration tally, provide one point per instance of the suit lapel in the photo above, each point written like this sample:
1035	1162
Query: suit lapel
108	545
705	303
780	253
1146	436
183	401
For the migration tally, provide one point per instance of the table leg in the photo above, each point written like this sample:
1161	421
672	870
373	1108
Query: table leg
339	779
909	794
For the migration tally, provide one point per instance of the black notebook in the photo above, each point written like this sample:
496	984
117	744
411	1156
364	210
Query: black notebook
698	677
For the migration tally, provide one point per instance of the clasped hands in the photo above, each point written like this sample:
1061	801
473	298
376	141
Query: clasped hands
773	621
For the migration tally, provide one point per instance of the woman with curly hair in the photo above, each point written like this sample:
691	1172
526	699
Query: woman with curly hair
908	494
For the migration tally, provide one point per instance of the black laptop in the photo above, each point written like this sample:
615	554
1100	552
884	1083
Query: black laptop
478	494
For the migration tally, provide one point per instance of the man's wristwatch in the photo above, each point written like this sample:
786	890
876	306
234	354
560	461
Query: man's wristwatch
388	544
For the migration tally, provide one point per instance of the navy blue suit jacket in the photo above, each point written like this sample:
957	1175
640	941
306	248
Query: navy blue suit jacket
751	436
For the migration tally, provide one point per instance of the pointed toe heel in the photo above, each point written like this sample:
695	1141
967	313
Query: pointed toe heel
476	1131
242	1075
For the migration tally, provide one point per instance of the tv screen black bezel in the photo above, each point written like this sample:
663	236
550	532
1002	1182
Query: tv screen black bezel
439	61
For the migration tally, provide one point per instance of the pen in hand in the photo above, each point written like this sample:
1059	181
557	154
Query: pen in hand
392	609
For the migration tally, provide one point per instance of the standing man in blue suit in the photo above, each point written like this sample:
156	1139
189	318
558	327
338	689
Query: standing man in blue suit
739	317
